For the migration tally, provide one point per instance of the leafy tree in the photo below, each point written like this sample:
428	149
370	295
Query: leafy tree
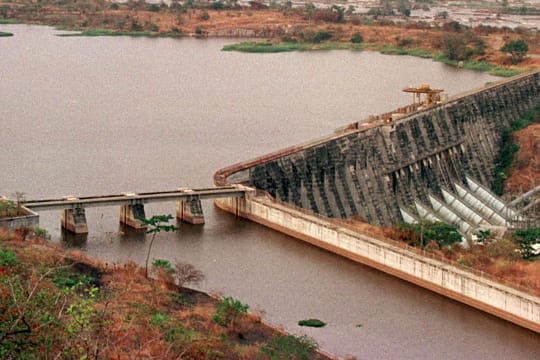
526	239
156	224
420	234
444	234
455	47
517	50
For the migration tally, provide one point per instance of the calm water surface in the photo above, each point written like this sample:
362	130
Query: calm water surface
87	116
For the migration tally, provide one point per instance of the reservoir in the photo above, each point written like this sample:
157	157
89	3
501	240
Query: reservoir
90	116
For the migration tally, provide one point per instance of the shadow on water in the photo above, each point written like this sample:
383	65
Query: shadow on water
187	229
127	233
71	240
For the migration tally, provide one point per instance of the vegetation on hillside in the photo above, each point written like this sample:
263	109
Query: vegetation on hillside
508	148
508	259
292	28
64	305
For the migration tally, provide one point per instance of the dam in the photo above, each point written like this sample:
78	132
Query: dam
372	171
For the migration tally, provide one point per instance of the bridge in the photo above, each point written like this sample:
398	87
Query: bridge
188	207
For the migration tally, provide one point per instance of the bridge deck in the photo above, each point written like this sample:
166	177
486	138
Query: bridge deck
132	198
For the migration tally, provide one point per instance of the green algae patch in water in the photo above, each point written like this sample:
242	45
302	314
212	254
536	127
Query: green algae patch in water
312	323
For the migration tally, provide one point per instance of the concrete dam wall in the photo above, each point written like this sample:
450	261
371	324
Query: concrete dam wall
371	171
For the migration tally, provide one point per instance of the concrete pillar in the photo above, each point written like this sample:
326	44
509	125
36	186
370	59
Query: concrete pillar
74	220
130	215
190	210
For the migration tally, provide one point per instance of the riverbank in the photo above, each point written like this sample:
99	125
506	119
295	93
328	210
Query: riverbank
477	48
62	303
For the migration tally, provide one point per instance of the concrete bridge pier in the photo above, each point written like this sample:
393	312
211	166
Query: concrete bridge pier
190	211
130	215
74	220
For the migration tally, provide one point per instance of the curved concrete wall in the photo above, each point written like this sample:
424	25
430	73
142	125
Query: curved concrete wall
370	172
477	291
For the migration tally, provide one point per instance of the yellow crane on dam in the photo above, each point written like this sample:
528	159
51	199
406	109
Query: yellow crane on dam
432	96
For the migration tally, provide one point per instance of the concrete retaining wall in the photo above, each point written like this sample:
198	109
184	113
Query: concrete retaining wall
29	220
477	291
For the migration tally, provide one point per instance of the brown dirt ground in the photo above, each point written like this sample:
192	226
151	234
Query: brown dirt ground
525	171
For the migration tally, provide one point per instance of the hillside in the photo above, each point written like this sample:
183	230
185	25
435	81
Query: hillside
57	304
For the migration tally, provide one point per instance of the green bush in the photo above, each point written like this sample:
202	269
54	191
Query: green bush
525	239
517	50
421	234
357	38
290	347
228	310
68	278
154	7
7	258
42	233
321	35
217	5
159	319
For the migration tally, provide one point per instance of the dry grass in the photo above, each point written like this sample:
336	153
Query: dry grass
524	173
139	317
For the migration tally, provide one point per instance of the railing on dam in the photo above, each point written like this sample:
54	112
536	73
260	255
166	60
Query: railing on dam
188	209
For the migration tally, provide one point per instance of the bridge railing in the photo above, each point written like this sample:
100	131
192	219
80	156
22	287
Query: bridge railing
188	208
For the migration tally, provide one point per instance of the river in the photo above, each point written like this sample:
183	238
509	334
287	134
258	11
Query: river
88	116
